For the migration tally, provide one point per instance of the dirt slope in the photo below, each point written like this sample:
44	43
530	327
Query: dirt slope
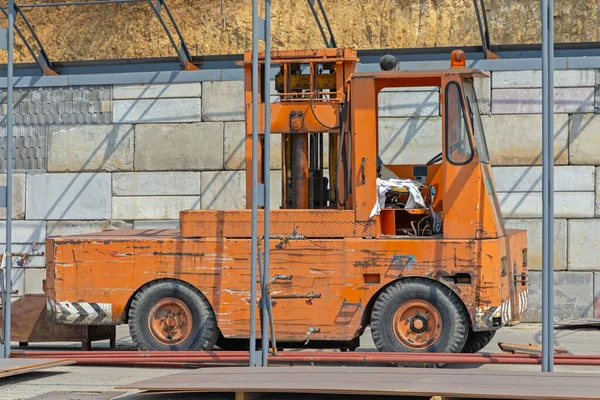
224	26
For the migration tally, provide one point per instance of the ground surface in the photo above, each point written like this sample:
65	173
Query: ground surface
75	378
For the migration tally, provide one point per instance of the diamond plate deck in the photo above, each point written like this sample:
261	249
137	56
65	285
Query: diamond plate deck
310	223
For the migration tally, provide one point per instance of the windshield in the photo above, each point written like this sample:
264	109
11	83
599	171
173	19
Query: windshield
459	149
475	117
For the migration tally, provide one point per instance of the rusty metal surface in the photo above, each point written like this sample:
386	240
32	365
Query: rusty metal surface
381	381
518	348
126	234
17	366
578	323
310	223
78	395
30	324
105	271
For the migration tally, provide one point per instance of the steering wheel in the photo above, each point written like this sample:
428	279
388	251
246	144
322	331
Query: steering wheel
435	159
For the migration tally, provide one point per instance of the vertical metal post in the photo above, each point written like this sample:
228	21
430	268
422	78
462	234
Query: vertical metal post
267	182
550	158
254	241
547	185
9	132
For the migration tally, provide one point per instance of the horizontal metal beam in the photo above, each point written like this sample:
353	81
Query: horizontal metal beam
177	76
225	68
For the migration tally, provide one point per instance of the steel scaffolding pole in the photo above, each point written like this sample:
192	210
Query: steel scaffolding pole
9	132
254	240
267	183
547	185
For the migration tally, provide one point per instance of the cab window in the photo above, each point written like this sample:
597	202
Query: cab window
475	117
459	149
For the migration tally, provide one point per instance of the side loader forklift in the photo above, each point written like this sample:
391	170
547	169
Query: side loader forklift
417	252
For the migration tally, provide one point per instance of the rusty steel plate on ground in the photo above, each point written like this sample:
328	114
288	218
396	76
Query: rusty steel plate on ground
381	381
17	366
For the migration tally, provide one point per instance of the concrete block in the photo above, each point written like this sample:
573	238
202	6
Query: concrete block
156	184
33	280
223	101
409	140
596	294
276	190
409	103
573	295
224	190
534	241
68	196
90	148
148	111
182	147
159	207
529	101
25	232
533	78
517	139
18	196
529	205
68	228
584	249
483	90
234	147
529	179
160	224
584	139
157	91
597	202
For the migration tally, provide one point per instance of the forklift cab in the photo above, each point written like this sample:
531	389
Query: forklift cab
463	159
456	185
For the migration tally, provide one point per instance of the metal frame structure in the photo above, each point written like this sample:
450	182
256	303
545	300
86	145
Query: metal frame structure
547	10
44	62
484	30
7	259
261	30
329	42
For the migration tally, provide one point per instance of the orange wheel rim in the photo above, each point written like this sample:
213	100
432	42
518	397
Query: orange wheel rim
417	324
170	321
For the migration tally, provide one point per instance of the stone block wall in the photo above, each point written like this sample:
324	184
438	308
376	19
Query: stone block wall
132	156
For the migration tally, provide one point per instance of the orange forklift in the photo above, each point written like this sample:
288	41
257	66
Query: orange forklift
417	252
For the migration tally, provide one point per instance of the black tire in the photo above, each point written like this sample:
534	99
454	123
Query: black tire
203	333
477	341
454	325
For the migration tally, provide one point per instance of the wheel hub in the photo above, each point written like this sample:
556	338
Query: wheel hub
170	321
417	324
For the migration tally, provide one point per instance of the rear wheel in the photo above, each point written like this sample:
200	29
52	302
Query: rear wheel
168	315
417	315
477	341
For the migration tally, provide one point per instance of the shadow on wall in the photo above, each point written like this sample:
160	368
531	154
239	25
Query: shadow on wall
572	136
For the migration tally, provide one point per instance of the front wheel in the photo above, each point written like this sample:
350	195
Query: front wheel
417	315
170	315
477	341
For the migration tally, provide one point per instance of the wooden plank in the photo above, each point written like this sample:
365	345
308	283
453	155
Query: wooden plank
516	348
16	366
381	381
78	395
